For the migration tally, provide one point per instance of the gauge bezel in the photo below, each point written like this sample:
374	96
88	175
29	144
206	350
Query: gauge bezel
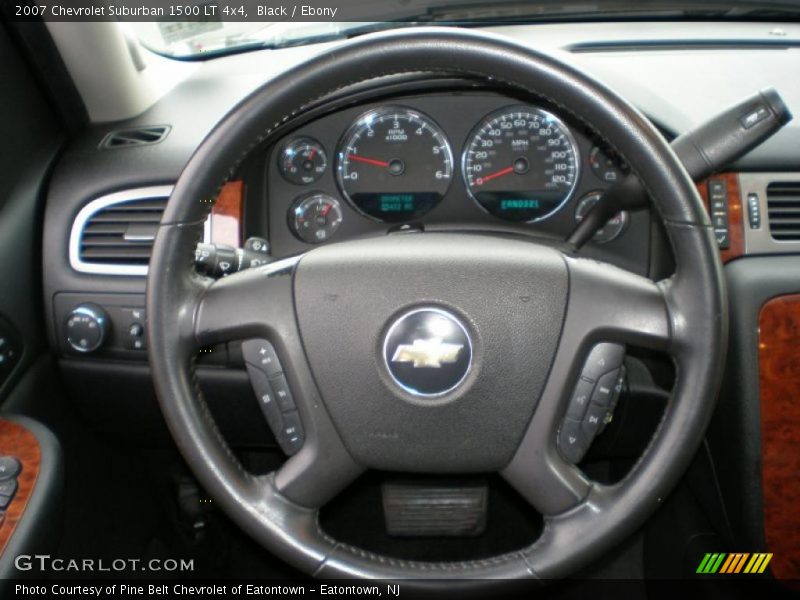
382	110
297	202
303	139
522	108
624	216
607	153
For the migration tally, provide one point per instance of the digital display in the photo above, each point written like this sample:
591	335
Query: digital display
518	204
397	207
397	203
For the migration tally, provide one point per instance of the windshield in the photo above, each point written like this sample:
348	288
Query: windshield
211	33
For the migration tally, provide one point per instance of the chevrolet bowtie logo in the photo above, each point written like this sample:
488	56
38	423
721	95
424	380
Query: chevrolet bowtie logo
427	353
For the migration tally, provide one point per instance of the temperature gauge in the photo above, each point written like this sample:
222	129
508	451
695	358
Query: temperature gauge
315	218
303	161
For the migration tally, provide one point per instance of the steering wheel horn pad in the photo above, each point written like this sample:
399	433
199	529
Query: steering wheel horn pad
511	296
531	312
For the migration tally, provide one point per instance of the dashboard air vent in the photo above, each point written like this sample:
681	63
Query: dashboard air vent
783	207
114	234
138	136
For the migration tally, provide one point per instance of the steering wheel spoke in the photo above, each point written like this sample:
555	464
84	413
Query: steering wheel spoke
250	304
258	304
317	473
607	306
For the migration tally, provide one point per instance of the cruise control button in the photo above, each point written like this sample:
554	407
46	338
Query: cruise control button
292	435
580	399
261	354
572	442
9	467
602	359
282	393
604	390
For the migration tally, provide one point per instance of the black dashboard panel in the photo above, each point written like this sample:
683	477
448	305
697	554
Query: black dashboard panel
455	107
456	113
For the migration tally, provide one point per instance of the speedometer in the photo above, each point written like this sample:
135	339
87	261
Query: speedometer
394	164
521	164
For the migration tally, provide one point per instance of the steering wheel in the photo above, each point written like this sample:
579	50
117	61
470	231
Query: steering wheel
527	315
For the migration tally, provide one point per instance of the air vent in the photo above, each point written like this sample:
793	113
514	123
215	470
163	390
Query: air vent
114	234
783	207
138	136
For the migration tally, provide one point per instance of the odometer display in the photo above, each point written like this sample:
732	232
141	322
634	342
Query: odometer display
521	164
394	164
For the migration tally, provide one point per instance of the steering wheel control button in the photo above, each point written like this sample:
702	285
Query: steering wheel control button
593	420
86	328
602	359
265	396
273	393
572	441
283	394
9	467
292	435
580	399
261	354
593	400
604	390
427	352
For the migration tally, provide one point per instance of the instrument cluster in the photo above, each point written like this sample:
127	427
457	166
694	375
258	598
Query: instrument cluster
435	160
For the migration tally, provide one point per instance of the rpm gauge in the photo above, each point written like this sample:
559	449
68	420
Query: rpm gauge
394	164
521	164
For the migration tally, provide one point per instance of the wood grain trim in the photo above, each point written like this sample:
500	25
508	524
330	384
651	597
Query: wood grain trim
16	440
735	213
226	215
779	379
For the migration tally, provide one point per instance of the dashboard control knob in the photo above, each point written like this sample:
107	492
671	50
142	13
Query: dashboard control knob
86	328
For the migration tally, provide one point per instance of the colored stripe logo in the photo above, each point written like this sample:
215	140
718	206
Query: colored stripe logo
737	562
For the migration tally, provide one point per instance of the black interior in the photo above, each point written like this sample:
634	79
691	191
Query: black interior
127	491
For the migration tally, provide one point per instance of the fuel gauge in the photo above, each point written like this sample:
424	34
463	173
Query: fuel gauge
315	218
303	161
613	227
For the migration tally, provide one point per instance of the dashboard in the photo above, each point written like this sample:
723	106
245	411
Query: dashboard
441	160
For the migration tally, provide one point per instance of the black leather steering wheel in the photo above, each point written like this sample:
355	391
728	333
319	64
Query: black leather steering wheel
531	311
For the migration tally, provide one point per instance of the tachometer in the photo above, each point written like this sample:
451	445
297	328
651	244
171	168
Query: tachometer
394	164
521	164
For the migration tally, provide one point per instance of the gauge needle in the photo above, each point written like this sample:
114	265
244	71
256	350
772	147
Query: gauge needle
324	212
312	154
369	161
506	171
